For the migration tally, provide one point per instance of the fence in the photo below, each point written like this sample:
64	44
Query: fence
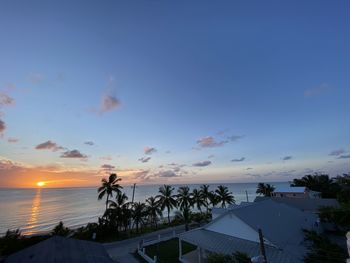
144	243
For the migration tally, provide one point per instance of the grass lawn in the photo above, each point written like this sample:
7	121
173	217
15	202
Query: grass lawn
168	251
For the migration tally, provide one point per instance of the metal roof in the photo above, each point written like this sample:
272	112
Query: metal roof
304	204
290	189
221	243
59	250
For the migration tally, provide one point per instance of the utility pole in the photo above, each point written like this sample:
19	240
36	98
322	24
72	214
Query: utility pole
133	193
262	246
246	193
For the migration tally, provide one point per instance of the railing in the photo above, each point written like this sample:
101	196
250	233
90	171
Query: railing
141	247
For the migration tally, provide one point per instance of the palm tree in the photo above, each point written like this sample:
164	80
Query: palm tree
185	201
120	200
213	198
184	216
224	196
204	190
198	199
139	212
265	189
108	187
166	199
153	210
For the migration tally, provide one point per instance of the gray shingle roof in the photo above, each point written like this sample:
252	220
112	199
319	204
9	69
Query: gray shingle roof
220	243
60	249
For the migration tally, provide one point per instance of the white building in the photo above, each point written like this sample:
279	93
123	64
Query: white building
295	192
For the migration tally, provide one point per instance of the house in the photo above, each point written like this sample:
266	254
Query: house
59	249
238	230
303	204
295	192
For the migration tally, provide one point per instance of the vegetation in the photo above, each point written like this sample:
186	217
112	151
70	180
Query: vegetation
265	189
60	230
166	199
237	257
223	196
321	250
168	251
109	187
14	241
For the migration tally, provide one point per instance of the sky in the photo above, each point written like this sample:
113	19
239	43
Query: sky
173	92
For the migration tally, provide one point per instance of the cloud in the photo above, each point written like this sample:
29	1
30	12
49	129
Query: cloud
202	164
234	138
337	152
316	91
12	140
249	168
209	142
107	158
145	159
107	166
36	78
211	156
6	100
2	126
238	160
149	150
287	158
89	143
167	173
49	145
6	164
109	103
344	156
73	154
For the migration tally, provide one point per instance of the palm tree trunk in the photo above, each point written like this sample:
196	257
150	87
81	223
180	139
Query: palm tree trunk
107	202
168	216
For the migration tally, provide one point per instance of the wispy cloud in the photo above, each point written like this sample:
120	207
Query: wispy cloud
234	138
316	91
36	78
238	160
167	173
49	145
90	143
344	156
2	126
73	154
109	103
209	142
145	159
287	158
107	158
202	164
211	156
6	100
12	140
337	152
149	150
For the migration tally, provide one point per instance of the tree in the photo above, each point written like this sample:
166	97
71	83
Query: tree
138	214
237	257
153	210
320	183
166	199
198	199
224	196
185	201
213	199
108	187
60	230
184	215
265	189
204	190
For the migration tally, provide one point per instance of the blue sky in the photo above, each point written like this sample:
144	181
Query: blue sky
181	77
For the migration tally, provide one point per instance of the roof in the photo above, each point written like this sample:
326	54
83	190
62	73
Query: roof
304	204
290	189
221	243
281	224
60	249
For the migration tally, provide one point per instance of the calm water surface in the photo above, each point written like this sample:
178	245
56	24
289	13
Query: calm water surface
39	210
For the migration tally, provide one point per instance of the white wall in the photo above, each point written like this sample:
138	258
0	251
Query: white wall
233	226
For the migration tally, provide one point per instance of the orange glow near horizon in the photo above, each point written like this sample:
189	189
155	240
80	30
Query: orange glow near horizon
40	184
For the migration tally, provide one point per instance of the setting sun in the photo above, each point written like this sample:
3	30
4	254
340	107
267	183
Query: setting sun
40	184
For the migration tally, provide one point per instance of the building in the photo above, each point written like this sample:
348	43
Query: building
238	230
295	192
59	249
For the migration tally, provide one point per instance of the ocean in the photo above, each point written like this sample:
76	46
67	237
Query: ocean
38	210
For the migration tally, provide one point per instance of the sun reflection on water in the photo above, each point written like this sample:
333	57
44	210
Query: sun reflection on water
33	219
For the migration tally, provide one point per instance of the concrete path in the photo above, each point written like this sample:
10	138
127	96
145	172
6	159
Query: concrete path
121	251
